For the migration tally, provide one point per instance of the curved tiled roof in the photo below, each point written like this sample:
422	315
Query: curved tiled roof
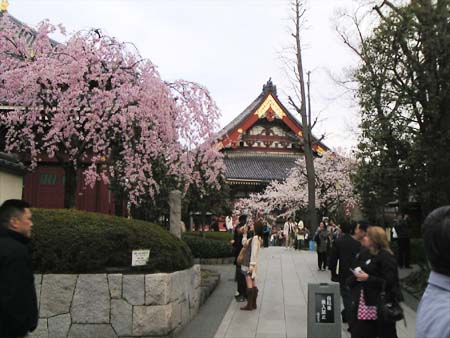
269	87
21	29
11	165
262	167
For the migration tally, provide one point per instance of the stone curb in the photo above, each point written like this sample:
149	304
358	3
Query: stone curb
214	261
208	285
410	299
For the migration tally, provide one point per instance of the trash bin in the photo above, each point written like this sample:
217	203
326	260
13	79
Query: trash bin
324	311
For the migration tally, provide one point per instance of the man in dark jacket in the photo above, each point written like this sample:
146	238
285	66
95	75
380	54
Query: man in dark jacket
344	252
18	304
241	293
402	227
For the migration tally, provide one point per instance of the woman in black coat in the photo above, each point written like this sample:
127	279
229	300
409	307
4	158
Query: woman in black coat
375	269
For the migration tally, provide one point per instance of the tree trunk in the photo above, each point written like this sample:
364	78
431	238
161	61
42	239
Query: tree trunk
118	204
309	159
70	186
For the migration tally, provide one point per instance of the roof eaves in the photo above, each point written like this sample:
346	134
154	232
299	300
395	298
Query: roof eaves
10	164
241	117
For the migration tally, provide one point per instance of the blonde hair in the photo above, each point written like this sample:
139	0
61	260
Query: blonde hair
379	239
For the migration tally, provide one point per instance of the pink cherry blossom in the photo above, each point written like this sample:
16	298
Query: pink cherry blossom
95	103
334	188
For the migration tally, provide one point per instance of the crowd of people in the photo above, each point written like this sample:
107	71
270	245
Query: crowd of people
366	269
358	256
292	234
360	259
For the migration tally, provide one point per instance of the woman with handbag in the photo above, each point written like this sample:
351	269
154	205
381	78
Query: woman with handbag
249	265
374	285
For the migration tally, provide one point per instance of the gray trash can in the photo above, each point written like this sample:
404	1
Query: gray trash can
324	311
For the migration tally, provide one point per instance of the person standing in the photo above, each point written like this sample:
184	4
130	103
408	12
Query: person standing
267	232
360	231
295	239
334	231
281	239
322	240
237	246
229	223
308	236
18	302
433	313
402	228
288	232
300	235
343	254
375	270
250	263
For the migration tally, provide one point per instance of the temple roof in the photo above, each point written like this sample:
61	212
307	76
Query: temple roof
267	103
11	164
258	156
21	29
258	167
268	88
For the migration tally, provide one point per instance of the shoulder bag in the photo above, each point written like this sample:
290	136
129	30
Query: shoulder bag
240	257
390	311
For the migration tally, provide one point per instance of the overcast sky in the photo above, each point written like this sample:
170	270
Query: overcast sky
232	47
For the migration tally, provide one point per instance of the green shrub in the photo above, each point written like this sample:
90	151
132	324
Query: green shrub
207	248
72	241
417	251
416	282
221	235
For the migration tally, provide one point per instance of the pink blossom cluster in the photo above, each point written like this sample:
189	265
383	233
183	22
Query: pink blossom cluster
95	103
334	188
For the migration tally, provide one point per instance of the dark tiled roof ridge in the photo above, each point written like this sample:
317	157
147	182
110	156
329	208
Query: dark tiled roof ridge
9	163
24	28
258	168
240	154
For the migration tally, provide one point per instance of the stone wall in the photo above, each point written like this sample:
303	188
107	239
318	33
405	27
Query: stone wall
116	305
214	261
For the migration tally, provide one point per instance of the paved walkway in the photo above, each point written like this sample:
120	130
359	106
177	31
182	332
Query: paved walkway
282	304
211	314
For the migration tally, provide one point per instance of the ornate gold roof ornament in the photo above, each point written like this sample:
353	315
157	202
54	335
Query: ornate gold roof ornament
4	5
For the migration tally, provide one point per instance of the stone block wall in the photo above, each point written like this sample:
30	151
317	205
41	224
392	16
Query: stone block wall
116	305
214	261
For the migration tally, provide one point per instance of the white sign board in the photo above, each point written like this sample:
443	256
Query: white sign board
140	257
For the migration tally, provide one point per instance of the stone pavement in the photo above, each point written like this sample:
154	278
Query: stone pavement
211	313
283	280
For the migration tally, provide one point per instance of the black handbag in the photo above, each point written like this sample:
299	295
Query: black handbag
389	311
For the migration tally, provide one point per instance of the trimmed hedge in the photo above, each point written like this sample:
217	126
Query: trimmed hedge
72	241
417	251
208	248
220	236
